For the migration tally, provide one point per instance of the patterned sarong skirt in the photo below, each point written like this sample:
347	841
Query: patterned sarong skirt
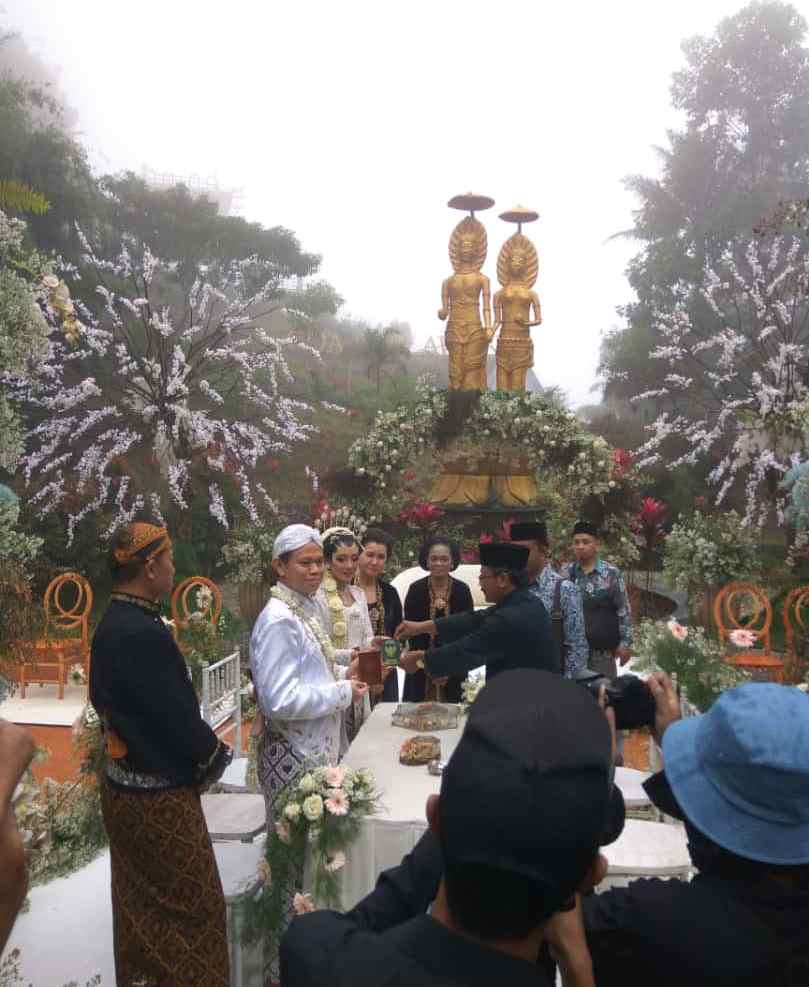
167	902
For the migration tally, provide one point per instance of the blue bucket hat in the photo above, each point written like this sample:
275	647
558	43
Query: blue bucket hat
740	772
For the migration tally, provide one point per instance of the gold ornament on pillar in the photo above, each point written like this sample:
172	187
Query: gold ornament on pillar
516	304
468	322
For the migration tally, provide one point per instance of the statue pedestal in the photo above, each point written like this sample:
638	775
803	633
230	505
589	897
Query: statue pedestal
477	477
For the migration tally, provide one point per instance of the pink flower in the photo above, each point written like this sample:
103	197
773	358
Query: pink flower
742	638
335	776
337	803
264	870
283	831
678	631
337	862
302	903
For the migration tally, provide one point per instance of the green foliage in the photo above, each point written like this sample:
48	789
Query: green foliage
706	550
695	661
22	198
10	975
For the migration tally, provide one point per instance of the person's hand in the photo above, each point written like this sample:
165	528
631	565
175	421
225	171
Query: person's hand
376	642
442	314
386	670
567	939
353	668
408	628
667	702
358	690
408	661
623	655
16	751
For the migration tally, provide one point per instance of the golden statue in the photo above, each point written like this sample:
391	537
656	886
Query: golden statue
467	336
515	304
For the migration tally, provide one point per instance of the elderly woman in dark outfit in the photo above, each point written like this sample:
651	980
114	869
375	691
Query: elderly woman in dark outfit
436	595
167	901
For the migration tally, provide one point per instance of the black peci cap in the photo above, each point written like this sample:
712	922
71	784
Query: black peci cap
503	555
585	528
529	787
530	531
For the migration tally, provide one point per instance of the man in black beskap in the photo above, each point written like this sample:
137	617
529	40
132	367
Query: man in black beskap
513	633
526	800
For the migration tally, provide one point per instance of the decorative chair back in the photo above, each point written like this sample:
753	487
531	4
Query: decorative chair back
796	622
67	604
186	597
746	607
222	695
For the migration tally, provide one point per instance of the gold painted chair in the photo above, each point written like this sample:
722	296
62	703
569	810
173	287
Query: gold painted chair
185	599
743	606
66	637
796	625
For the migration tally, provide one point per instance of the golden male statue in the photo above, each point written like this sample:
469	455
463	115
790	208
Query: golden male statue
467	336
516	305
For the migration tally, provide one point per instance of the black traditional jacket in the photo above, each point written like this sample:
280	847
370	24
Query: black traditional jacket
515	633
388	939
139	686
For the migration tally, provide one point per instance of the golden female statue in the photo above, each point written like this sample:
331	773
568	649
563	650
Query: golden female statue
467	336
515	304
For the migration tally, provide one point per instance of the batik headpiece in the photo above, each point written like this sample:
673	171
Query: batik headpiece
148	541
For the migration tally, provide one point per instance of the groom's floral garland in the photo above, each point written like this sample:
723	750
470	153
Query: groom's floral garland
309	621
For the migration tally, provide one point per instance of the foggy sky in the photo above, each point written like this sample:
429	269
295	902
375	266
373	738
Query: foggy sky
353	122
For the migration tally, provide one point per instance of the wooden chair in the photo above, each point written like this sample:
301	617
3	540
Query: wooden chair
66	638
730	615
796	612
181	600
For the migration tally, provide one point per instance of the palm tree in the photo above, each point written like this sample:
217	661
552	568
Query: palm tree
382	348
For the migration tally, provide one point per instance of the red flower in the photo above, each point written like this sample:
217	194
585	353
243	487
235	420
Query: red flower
273	464
486	538
622	461
503	533
409	475
421	514
648	522
470	555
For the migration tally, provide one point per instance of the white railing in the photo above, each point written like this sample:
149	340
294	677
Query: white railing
222	696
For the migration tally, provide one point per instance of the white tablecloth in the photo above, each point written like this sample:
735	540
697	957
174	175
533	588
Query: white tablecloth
386	837
644	849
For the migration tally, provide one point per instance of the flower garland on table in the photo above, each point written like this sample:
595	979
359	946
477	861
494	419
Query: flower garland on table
318	817
339	625
309	621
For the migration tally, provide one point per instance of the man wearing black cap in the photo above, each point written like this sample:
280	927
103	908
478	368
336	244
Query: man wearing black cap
607	615
560	598
514	633
526	799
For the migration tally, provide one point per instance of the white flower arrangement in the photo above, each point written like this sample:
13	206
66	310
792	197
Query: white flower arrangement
77	675
317	817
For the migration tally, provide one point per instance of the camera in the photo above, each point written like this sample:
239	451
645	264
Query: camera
629	696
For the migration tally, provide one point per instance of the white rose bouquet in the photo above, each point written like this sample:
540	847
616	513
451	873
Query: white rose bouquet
317	818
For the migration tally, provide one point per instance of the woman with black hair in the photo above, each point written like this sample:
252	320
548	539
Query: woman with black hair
384	605
436	595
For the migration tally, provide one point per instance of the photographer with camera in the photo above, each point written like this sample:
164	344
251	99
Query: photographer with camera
738	776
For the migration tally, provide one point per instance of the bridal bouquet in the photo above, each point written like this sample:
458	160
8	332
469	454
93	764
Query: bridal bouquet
317	818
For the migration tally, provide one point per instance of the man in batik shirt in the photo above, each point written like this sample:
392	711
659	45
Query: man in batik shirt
607	616
564	609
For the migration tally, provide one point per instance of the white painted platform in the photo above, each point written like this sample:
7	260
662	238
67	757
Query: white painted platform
42	707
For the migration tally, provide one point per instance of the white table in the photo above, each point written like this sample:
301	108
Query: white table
644	848
636	800
234	816
647	849
387	836
238	871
